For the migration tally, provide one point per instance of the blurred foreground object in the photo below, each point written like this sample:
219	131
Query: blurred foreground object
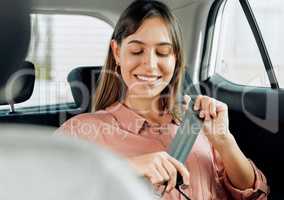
34	164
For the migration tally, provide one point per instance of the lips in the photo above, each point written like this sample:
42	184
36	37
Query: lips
148	78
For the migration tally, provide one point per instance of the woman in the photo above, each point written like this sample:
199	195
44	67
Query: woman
136	113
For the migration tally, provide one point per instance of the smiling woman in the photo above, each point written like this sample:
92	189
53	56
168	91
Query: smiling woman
146	45
146	60
136	116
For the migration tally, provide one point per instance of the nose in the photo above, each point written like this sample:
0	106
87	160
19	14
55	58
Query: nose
151	60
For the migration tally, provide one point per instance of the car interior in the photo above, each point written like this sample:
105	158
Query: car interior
255	112
35	163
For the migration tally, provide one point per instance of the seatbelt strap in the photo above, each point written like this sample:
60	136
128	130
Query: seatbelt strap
188	130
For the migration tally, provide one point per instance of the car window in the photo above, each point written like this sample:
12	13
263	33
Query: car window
60	43
238	59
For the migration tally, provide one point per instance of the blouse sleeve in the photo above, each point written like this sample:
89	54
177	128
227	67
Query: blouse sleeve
259	191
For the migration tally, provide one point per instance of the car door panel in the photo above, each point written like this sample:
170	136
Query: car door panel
257	122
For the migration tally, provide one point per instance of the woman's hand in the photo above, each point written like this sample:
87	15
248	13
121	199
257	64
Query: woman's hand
216	122
216	128
160	168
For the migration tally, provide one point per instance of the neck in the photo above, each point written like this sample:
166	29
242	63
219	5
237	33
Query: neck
144	106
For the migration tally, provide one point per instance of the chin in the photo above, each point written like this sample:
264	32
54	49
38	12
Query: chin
146	93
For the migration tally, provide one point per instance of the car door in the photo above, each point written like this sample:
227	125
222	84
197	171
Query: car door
237	69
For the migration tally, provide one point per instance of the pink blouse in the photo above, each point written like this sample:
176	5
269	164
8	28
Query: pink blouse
128	134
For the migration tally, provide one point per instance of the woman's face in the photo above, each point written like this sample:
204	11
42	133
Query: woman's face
146	59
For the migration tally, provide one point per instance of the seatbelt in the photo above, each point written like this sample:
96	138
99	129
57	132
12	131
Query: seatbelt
187	132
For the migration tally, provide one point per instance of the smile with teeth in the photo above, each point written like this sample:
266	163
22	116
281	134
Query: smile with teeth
147	78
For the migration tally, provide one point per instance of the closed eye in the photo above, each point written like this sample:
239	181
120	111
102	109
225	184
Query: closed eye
164	51
136	52
163	54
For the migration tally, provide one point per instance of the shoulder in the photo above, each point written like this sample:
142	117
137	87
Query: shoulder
96	117
86	121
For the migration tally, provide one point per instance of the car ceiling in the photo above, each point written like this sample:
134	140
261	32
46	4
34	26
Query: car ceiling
108	9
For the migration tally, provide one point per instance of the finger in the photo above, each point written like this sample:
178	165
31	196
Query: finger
197	103
205	106
181	169
212	108
187	99
156	178
163	172
202	114
172	171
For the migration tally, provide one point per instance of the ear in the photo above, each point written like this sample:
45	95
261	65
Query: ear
115	51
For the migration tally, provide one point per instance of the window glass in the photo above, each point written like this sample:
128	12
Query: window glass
60	43
238	57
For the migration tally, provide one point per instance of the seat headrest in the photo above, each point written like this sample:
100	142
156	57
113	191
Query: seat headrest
19	86
34	162
83	82
14	36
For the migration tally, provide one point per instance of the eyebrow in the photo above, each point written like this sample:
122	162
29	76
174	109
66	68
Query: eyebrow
159	44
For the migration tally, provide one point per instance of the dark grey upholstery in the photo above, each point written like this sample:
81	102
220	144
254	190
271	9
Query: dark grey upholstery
20	85
16	76
14	36
83	81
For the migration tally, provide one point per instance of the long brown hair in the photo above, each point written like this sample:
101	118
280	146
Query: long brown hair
111	87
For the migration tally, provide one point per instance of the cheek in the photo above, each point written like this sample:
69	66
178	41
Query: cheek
169	68
128	64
